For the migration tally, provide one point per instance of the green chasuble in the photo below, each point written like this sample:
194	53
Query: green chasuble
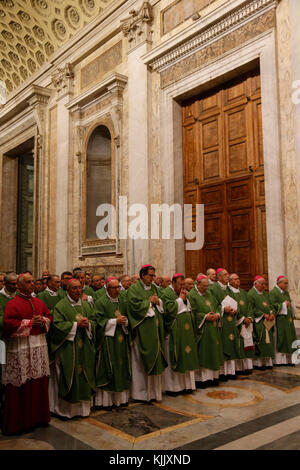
61	293
77	357
150	330
48	299
99	293
229	331
243	311
259	304
209	344
114	371
286	332
182	342
89	291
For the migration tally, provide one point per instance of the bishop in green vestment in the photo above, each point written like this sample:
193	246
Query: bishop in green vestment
113	372
229	332
285	329
145	315
264	320
64	280
72	346
244	323
209	345
50	295
181	347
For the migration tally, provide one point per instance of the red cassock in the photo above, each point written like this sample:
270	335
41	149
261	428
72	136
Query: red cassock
27	365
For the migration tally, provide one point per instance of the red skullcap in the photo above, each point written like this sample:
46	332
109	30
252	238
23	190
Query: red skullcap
219	270
280	277
176	275
199	278
146	266
73	279
110	278
257	278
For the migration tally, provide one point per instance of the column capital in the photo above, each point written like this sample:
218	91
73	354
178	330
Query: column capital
137	27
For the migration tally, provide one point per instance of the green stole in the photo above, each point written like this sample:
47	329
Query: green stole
114	372
77	357
182	342
150	330
209	344
259	304
286	332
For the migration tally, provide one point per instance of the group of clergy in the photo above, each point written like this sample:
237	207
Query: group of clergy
73	346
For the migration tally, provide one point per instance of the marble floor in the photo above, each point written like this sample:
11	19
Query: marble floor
260	411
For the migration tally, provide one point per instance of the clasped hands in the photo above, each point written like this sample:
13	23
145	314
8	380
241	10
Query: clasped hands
83	322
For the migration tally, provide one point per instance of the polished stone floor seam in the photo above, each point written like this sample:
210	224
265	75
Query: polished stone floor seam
265	436
237	432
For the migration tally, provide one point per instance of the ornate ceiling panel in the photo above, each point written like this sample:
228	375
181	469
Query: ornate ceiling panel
32	30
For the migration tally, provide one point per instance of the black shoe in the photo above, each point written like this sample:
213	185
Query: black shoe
291	365
231	377
278	365
98	408
248	372
256	368
107	408
269	367
262	368
240	372
173	394
223	378
201	385
123	405
216	383
187	391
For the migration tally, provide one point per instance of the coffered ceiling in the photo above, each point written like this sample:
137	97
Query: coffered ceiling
32	30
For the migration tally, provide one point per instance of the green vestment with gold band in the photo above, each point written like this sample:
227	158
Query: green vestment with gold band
77	357
182	342
286	332
229	331
114	371
243	311
149	330
209	344
259	305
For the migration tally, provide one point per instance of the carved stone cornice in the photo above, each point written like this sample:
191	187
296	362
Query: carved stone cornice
137	27
62	80
210	34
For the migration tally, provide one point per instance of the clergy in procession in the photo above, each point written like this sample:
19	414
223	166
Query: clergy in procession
8	292
72	381
211	276
285	329
86	291
96	282
25	324
157	281
101	292
64	280
50	295
264	321
148	357
245	326
181	347
188	283
165	282
206	316
229	331
113	371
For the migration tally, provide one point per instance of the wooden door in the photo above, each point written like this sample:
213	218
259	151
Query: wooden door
223	169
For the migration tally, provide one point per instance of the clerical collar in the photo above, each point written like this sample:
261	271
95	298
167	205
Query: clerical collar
121	287
234	289
114	300
280	290
6	294
146	287
210	281
260	293
51	292
222	285
73	303
156	285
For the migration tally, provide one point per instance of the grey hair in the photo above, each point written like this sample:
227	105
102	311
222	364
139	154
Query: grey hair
10	277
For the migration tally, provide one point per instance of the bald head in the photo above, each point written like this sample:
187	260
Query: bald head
25	284
165	281
283	283
188	283
223	277
211	274
74	289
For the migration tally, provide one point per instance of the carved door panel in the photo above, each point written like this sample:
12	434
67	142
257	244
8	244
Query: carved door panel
223	169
